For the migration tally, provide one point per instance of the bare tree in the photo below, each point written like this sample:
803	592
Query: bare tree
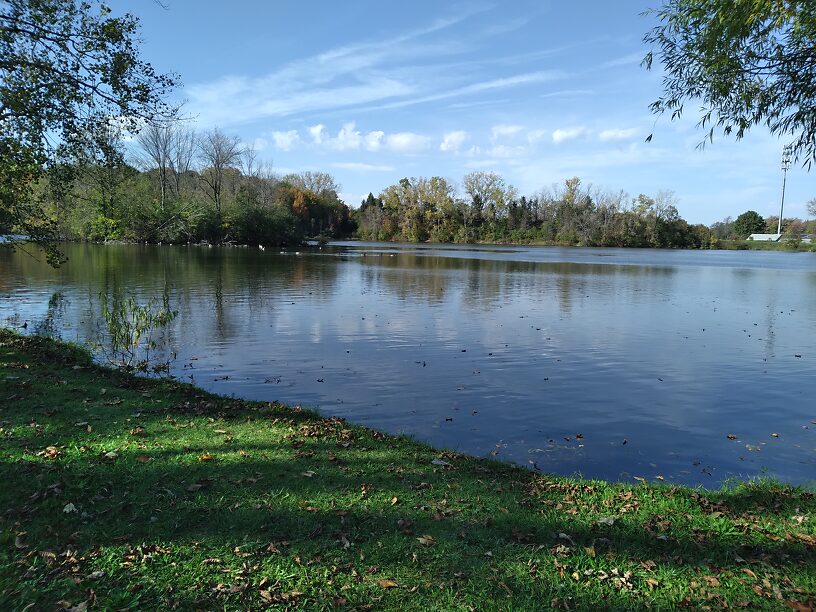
155	142
183	152
218	153
316	182
811	207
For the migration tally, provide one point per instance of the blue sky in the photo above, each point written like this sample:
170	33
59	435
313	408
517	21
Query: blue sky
537	91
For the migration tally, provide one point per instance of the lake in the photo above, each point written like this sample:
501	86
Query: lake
608	363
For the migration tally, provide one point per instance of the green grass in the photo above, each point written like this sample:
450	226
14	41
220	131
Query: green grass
120	492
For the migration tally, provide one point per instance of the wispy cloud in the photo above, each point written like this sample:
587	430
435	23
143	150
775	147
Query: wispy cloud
517	80
537	135
568	93
631	59
504	131
285	140
618	134
349	75
453	141
566	134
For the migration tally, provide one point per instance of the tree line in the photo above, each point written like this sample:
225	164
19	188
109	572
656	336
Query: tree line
490	210
184	186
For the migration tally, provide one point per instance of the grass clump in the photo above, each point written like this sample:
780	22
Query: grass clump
121	492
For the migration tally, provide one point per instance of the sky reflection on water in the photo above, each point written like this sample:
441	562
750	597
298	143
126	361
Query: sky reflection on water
652	357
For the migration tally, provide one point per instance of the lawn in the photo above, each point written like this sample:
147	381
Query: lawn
122	492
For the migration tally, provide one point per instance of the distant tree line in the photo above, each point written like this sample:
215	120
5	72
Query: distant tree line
183	186
751	222
490	210
186	187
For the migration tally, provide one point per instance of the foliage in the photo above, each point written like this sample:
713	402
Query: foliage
428	209
70	76
749	222
131	328
750	62
128	493
258	225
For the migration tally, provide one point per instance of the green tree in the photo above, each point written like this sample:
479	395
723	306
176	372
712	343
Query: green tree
750	62
749	222
70	75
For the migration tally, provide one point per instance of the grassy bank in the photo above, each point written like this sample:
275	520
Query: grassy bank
120	492
763	245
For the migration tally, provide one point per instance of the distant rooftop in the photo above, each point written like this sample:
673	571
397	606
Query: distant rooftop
765	237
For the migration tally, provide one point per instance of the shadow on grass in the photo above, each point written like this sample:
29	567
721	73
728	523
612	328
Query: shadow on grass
296	495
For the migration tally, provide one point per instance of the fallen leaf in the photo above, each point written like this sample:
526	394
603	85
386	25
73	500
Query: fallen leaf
111	455
206	457
712	581
798	606
394	501
426	540
388	584
50	452
68	508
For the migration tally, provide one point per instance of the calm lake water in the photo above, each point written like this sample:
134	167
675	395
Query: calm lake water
603	362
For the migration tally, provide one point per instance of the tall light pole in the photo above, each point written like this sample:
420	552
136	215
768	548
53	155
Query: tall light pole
786	162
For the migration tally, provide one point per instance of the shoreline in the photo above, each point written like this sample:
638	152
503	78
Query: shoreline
126	491
722	245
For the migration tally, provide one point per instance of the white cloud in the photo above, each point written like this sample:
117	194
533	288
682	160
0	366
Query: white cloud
536	135
563	135
374	140
506	152
363	167
633	59
316	132
372	72
348	138
516	80
407	142
504	131
569	93
452	141
618	134
285	140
